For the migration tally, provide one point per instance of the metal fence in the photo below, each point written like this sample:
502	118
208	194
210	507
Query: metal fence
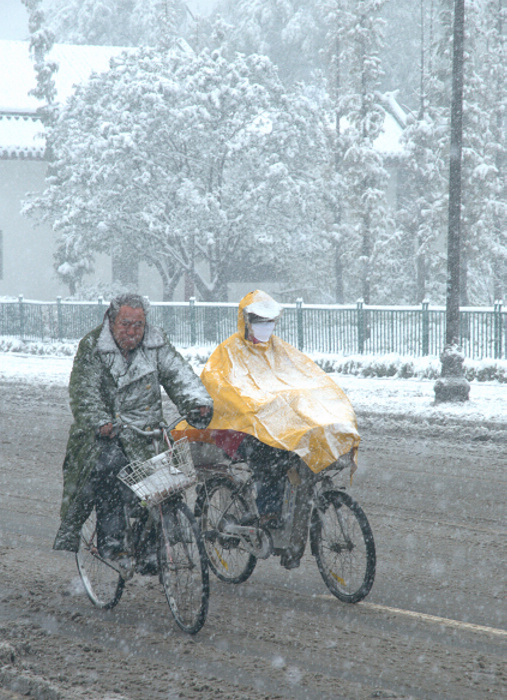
345	330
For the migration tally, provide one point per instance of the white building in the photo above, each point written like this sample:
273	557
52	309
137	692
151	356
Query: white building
26	250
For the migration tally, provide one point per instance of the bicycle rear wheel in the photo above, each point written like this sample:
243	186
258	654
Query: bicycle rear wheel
342	543
183	566
219	504
102	582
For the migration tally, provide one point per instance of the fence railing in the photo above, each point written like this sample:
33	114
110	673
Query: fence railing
346	330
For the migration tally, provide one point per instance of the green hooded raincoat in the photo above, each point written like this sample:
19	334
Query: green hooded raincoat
104	387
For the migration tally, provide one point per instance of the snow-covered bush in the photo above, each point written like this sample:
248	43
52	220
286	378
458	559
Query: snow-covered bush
402	367
382	366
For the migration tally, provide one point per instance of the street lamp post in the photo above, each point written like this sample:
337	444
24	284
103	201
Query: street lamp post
452	384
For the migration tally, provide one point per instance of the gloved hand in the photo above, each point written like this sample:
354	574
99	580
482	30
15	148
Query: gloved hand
106	430
200	417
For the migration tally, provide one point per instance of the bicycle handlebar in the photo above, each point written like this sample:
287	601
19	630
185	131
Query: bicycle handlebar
155	434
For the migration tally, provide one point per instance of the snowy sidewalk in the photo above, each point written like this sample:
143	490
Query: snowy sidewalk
402	400
414	398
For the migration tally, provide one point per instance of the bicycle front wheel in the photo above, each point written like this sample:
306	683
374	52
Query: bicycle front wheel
342	543
218	505
183	566
102	582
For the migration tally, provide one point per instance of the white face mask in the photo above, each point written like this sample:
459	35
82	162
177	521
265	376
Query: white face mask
262	331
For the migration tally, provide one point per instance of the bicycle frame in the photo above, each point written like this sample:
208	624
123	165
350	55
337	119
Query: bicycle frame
158	515
315	507
263	541
136	540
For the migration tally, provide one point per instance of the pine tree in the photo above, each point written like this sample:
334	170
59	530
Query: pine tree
494	67
484	195
362	167
290	32
421	216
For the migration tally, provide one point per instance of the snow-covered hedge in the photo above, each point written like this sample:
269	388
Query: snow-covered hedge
403	367
13	344
392	365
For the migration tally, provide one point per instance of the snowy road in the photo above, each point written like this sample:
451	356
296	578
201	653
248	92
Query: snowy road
432	627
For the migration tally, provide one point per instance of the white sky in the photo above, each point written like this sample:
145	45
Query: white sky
202	7
13	20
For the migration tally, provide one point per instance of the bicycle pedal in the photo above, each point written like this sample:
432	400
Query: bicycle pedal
271	522
125	564
289	562
148	568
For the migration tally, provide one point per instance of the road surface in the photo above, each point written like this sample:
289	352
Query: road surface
433	626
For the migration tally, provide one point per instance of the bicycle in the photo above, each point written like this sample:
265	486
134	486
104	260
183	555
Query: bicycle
159	485
341	538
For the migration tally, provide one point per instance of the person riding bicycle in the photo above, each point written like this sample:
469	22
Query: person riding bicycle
276	409
116	377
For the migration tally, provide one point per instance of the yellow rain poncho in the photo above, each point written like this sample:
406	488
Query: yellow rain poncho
275	393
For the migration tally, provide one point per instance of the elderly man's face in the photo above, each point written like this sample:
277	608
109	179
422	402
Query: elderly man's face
128	328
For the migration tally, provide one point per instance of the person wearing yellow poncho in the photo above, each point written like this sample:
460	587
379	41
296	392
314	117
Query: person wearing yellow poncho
273	405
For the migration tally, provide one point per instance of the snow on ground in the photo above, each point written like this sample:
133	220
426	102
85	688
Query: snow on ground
402	399
32	369
413	397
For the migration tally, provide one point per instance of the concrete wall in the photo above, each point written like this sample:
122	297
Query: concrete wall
27	249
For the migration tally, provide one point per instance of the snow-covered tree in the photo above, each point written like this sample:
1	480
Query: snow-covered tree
406	23
187	161
41	41
422	209
332	54
117	22
423	212
495	32
484	132
421	216
483	199
290	32
359	37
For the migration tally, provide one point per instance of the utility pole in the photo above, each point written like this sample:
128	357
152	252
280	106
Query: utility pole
452	384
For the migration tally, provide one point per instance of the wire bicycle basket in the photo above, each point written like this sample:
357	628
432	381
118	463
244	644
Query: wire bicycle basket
156	479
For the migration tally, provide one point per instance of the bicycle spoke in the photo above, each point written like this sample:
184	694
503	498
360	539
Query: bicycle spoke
183	567
102	581
219	505
343	545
